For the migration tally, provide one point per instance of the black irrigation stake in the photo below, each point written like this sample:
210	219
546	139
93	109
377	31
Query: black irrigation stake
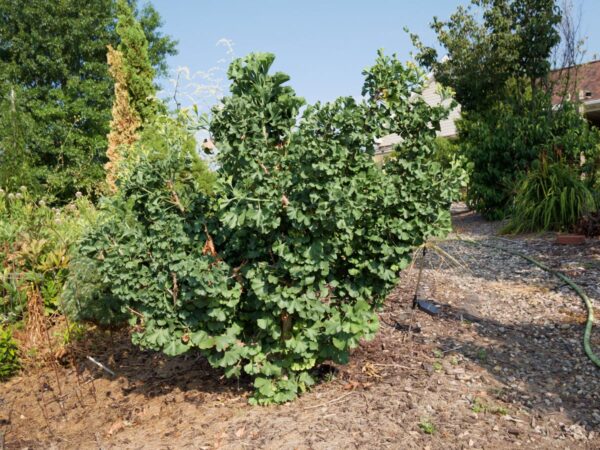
424	305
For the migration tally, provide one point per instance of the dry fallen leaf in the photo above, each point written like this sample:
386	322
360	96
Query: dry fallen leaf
370	370
351	385
116	427
219	440
209	247
60	353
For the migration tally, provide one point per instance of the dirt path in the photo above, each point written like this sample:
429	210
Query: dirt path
501	367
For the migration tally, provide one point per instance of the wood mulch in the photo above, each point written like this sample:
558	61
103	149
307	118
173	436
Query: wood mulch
501	366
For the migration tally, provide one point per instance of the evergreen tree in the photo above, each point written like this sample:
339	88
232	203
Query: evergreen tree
138	71
125	120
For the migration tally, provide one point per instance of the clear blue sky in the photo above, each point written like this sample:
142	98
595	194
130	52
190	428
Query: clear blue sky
323	45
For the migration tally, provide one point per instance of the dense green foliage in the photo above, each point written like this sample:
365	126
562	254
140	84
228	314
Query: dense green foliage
498	65
138	71
284	265
35	244
448	152
56	77
142	231
552	196
56	93
9	354
500	42
504	142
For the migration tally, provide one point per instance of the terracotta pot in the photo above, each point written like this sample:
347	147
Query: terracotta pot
570	239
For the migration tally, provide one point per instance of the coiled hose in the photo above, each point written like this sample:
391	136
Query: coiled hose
587	334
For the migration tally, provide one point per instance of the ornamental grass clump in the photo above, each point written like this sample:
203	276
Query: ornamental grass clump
551	197
284	263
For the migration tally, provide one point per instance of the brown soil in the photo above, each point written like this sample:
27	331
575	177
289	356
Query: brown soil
501	367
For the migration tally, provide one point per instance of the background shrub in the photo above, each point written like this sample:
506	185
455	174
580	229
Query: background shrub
589	224
446	151
449	154
504	142
35	245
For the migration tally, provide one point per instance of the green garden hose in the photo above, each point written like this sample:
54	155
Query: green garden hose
578	290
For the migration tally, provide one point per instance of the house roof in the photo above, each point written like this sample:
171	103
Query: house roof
583	85
583	82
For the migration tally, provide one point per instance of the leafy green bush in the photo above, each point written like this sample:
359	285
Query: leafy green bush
146	230
552	196
9	354
501	144
146	254
164	134
284	265
504	142
446	151
35	241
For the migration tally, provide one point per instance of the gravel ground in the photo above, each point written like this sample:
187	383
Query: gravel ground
502	366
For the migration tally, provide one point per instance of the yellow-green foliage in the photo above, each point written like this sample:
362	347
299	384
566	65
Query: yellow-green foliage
9	354
165	133
35	242
125	120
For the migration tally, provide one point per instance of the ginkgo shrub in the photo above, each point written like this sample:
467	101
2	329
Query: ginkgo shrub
284	264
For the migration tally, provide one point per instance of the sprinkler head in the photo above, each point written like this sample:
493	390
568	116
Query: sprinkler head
427	306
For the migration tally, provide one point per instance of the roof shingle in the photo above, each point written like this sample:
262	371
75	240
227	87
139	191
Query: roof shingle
581	82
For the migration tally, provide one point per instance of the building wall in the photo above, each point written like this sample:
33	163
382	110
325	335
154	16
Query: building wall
447	126
431	96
